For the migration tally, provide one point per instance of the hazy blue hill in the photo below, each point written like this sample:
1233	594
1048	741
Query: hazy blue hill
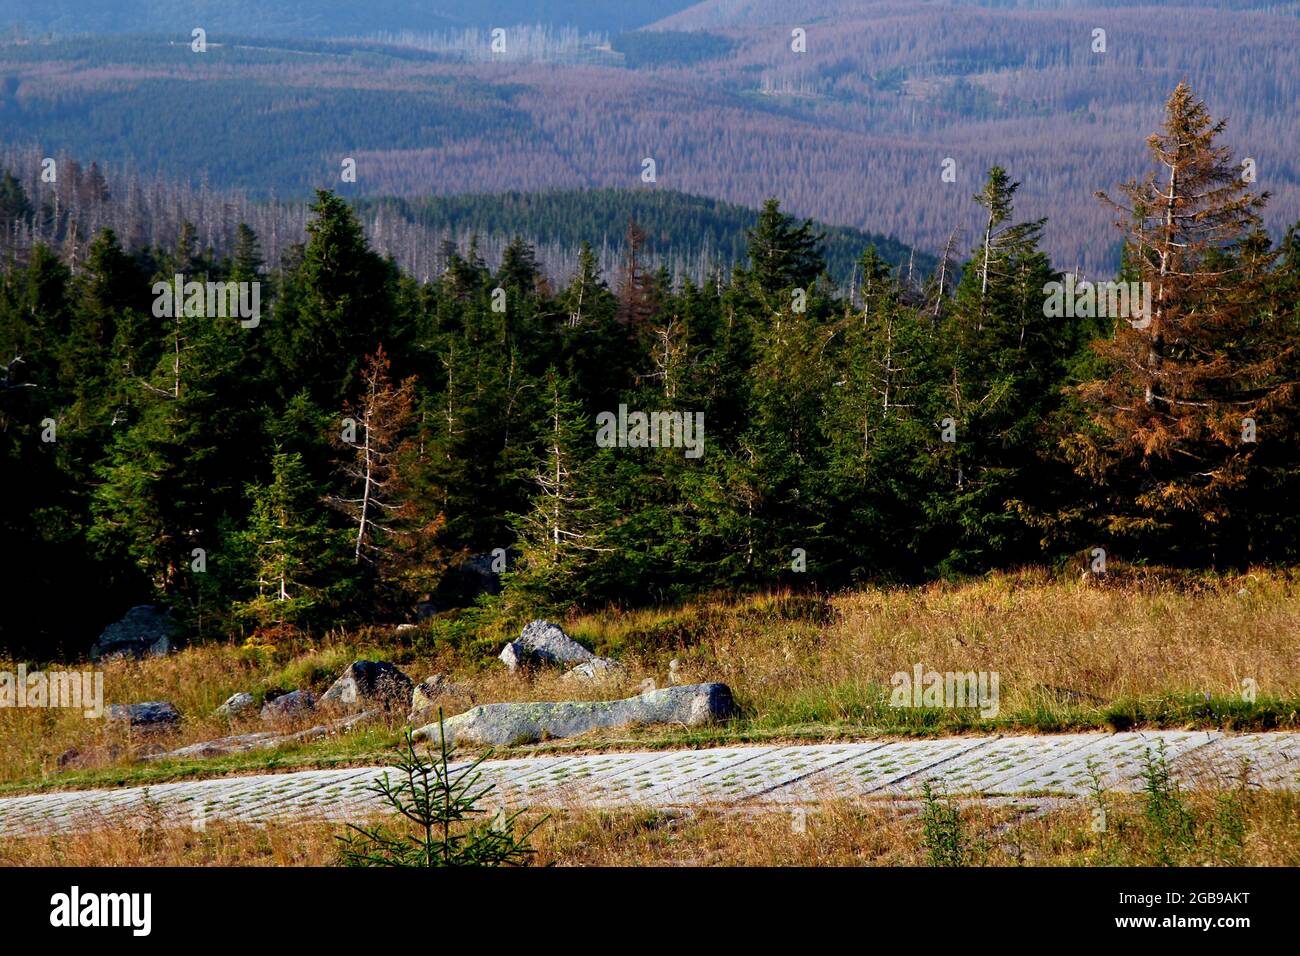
290	18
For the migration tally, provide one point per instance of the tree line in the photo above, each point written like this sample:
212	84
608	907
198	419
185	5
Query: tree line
333	461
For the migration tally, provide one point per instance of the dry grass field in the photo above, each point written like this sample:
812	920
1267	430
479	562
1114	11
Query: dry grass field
1070	655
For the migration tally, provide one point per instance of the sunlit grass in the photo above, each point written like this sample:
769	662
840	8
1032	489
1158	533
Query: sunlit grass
1070	655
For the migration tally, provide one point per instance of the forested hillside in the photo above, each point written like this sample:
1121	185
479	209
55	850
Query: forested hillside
688	235
329	459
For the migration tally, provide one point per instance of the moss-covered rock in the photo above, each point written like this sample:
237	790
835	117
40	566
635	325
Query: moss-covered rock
519	723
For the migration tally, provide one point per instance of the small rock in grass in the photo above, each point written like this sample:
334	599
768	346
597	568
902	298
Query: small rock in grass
289	705
236	704
597	669
544	643
368	684
150	715
430	694
79	759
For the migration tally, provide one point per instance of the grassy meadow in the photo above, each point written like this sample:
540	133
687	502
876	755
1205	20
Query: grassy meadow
1135	651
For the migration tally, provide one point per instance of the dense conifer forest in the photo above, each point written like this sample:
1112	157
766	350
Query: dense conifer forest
331	458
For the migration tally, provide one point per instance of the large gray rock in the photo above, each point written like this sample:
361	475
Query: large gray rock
367	684
509	724
480	571
544	643
150	715
145	629
287	706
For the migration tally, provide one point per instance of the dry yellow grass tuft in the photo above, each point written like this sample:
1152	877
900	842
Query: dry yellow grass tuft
1047	639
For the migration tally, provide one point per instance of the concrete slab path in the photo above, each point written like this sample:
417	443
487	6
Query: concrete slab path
1059	766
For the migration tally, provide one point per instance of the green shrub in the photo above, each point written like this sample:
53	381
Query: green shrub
1170	826
943	832
442	805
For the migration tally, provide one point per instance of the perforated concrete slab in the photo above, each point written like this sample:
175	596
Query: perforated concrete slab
774	770
1011	765
678	779
574	779
664	777
1061	764
876	769
993	768
1269	760
1119	759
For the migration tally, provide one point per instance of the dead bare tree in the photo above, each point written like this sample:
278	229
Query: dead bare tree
376	425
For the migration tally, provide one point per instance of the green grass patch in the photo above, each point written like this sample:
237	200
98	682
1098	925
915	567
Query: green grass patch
358	748
1204	712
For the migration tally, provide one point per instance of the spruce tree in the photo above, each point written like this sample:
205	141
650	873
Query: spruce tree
564	532
1002	358
15	209
880	411
335	308
636	292
781	254
392	533
173	472
1187	396
296	563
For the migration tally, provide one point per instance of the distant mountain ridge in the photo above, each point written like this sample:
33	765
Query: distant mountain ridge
322	18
